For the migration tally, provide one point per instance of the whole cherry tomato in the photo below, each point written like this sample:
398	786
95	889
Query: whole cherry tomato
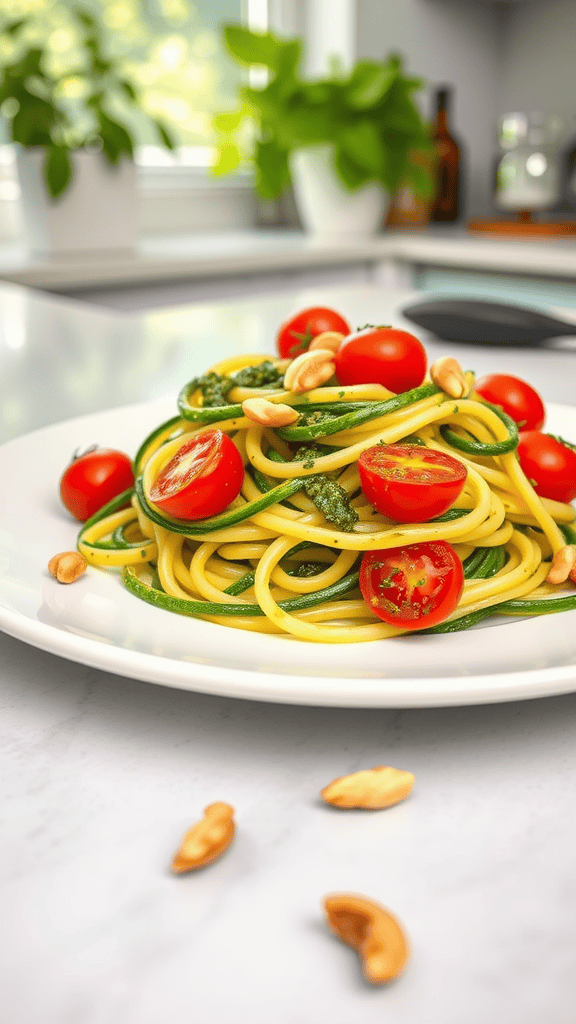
522	403
201	480
409	483
413	587
295	335
549	463
93	479
382	355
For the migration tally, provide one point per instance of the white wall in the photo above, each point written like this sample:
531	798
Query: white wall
448	41
539	72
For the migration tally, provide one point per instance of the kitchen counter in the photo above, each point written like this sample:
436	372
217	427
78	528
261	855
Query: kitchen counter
102	775
172	258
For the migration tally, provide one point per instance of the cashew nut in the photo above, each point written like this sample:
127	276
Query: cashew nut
67	566
372	931
206	840
449	375
260	410
328	339
563	564
375	788
309	370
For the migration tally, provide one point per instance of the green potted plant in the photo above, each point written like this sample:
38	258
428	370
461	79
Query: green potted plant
345	140
74	155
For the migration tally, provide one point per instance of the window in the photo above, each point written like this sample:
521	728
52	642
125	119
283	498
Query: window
171	49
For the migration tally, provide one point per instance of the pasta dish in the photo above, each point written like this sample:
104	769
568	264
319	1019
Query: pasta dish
304	543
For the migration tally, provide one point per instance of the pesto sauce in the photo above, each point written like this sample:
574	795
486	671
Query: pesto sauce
215	386
332	501
264	374
307	569
327	494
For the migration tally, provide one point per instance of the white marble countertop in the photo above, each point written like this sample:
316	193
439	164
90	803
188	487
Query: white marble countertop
101	775
198	256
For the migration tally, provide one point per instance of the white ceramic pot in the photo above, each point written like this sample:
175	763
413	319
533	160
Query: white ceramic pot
326	207
98	212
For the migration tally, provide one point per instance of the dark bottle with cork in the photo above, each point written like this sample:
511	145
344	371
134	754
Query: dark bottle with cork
447	203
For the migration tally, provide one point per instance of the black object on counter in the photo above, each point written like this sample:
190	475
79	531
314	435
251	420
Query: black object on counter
491	323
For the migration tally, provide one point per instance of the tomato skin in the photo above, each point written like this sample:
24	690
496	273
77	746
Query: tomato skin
93	479
409	483
549	465
522	403
202	478
413	587
295	334
382	355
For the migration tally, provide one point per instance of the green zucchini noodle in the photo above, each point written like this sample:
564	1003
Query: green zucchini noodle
273	563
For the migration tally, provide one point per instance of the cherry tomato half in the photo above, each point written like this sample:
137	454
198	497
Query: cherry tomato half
410	483
382	355
549	463
93	479
295	335
522	403
414	587
201	480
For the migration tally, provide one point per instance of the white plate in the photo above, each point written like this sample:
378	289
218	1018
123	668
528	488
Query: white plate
96	622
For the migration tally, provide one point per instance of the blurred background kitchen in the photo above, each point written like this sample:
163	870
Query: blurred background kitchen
436	151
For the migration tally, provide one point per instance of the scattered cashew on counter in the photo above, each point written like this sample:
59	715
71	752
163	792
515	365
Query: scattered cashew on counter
207	840
372	931
360	922
372	789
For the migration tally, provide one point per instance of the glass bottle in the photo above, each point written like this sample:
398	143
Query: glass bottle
446	206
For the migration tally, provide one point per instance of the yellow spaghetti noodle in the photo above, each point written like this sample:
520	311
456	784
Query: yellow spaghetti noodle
279	566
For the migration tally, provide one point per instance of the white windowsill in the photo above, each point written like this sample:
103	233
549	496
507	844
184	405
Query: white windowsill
180	257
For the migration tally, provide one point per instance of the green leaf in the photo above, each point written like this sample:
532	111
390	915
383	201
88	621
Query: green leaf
34	122
95	100
413	84
363	143
287	63
371	82
349	172
115	139
227	160
166	137
31	63
252	47
396	163
272	172
265	103
421	180
316	92
58	170
302	125
399	114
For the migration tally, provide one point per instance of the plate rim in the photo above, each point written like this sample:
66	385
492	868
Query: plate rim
139	665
